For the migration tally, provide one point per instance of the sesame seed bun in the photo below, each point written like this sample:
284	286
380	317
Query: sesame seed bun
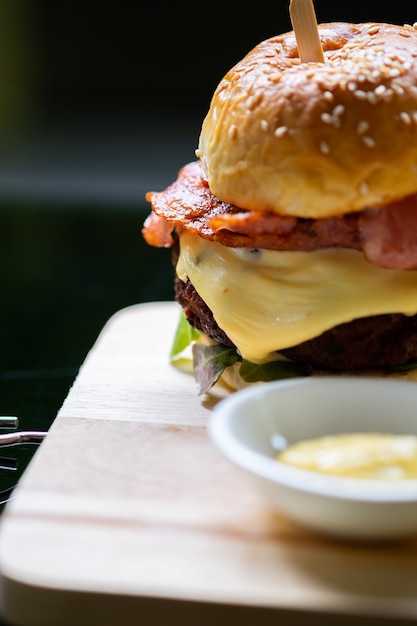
315	140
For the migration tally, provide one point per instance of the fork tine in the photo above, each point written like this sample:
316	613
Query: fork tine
24	436
8	463
9	421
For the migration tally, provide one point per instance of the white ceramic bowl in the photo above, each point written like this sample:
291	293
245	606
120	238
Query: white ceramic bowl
242	426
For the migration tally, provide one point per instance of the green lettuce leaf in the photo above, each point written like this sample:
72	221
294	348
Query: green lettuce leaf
273	370
185	335
405	367
210	363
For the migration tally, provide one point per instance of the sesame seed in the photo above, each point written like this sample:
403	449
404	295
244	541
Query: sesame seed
362	127
371	97
359	94
332	118
280	131
328	96
398	89
387	95
274	78
339	110
324	147
405	117
380	90
253	100
232	132
368	141
394	72
326	118
264	125
363	188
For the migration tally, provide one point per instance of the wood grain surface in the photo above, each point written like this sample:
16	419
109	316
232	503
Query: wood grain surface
127	510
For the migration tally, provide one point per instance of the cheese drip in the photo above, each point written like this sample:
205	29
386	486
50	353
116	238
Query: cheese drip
266	300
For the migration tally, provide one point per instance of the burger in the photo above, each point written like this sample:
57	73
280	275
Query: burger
294	230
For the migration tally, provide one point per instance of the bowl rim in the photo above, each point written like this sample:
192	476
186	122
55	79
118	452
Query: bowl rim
342	488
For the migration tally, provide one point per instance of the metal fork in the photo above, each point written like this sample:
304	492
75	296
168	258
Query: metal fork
14	439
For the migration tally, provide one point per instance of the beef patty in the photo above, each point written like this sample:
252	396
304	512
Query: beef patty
380	341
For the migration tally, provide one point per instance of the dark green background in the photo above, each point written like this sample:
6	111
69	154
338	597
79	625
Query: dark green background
66	270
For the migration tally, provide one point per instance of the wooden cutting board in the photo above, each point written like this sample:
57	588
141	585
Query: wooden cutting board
128	514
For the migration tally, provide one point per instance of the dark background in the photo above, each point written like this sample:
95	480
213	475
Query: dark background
100	103
168	55
165	55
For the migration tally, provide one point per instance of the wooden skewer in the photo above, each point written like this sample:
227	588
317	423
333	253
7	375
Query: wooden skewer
304	23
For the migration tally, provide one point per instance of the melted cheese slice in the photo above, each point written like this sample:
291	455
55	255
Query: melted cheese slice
267	301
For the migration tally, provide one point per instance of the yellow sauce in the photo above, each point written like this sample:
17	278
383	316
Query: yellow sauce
359	455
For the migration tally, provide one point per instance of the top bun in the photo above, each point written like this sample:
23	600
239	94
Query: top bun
314	140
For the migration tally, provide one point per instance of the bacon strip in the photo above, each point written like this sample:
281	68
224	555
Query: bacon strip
189	204
157	231
387	236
